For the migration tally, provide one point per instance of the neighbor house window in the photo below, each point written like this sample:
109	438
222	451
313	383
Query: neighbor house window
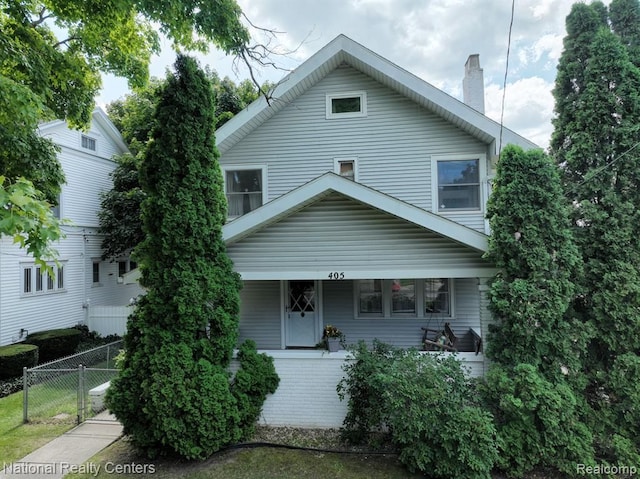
96	272
346	167
88	143
244	188
458	184
124	266
391	298
346	105
35	280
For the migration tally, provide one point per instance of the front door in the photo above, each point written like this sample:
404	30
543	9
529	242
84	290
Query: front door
301	313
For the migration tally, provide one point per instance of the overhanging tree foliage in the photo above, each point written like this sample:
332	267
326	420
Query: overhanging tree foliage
595	142
174	393
44	76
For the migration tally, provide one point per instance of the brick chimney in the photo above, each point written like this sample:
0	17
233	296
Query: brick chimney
473	83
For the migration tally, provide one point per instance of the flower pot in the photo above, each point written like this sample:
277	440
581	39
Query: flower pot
333	344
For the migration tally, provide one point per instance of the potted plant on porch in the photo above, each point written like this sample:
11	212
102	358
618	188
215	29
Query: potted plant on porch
332	337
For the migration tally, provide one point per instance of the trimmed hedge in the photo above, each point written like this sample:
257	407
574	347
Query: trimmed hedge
55	343
14	357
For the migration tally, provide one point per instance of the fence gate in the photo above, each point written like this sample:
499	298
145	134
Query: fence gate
71	389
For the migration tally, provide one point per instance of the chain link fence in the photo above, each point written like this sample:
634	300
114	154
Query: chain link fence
70	388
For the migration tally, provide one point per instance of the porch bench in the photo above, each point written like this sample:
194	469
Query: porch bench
444	340
96	397
477	340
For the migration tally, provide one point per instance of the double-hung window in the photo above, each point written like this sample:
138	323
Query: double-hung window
457	183
244	188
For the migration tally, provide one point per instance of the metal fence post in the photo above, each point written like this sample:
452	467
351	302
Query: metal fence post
80	393
25	395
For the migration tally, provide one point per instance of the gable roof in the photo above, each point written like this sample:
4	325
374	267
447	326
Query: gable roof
100	118
343	50
328	183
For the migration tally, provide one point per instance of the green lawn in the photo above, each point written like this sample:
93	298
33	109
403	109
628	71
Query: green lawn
18	439
258	463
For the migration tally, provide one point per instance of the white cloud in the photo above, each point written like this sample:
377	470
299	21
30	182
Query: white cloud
430	38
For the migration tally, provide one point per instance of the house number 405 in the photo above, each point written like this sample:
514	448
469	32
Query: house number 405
336	275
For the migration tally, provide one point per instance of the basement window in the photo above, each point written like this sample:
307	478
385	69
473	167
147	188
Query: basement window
346	105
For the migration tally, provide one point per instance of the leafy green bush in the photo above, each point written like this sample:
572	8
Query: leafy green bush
538	422
255	379
426	403
55	343
15	357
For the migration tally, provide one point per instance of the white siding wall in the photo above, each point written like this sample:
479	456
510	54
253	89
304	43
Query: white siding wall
393	144
260	314
307	397
339	234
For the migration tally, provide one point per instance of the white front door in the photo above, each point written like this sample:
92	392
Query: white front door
301	313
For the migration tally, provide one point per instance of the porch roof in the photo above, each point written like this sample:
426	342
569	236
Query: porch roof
334	224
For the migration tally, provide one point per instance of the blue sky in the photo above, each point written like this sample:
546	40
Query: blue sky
430	38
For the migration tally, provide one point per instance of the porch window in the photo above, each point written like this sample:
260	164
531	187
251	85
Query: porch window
458	184
403	296
393	298
437	299
370	297
244	188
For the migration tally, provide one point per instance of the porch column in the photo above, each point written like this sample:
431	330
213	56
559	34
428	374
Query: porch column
486	317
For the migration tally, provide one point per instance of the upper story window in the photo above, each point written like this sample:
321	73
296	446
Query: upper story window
35	280
88	143
244	188
458	185
346	167
346	105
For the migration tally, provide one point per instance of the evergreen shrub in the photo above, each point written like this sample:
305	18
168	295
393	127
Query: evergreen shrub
426	405
14	357
55	343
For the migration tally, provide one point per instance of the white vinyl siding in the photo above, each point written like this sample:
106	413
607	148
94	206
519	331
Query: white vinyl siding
341	235
260	314
394	143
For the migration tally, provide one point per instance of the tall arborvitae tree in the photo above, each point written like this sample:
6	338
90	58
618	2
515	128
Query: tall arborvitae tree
174	393
596	143
532	245
534	384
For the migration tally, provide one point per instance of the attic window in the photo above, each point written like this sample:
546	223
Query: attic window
88	143
346	167
346	105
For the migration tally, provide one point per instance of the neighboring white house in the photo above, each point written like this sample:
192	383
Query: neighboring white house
31	301
357	198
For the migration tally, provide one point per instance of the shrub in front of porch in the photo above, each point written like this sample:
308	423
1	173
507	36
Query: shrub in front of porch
425	404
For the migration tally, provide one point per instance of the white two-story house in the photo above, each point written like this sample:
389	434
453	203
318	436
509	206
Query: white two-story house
32	301
357	198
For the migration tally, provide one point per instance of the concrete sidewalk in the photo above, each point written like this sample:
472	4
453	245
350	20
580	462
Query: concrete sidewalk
67	453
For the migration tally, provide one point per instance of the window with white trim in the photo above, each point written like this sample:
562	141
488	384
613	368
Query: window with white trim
346	167
88	143
245	189
458	183
392	298
346	105
36	280
125	265
95	272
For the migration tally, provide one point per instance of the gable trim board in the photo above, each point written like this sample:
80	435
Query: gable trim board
343	50
332	223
